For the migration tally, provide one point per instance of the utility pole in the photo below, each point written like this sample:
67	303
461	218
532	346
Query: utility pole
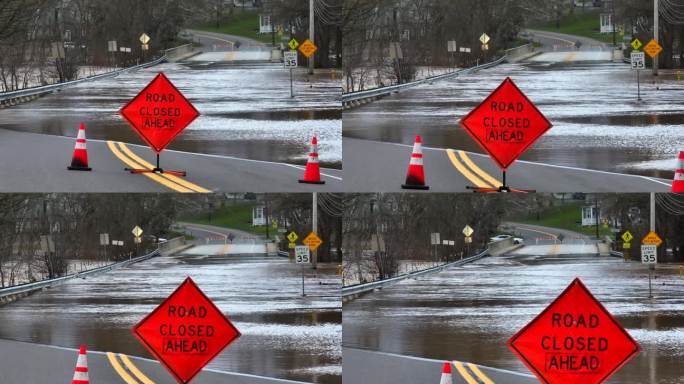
656	34
312	38
614	23
314	225
653	215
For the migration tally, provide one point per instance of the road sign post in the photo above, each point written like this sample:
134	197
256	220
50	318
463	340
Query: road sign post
186	332
505	125
291	62
649	256
574	340
159	113
303	257
638	63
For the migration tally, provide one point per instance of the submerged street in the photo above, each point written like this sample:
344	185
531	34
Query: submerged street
284	335
469	313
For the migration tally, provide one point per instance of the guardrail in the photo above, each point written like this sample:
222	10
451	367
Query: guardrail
31	287
171	245
368	287
10	98
354	98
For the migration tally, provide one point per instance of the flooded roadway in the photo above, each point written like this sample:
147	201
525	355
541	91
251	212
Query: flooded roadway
598	123
469	313
283	335
246	111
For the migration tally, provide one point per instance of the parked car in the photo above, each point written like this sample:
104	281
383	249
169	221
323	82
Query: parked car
499	238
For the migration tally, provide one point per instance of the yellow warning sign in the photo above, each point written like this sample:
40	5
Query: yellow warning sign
308	48
636	44
627	237
652	239
292	237
313	241
293	44
653	49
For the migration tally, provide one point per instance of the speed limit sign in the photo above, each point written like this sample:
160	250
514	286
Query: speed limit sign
649	254
290	59
302	255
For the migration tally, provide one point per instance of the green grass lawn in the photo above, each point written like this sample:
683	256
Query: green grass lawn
241	23
566	216
586	24
237	216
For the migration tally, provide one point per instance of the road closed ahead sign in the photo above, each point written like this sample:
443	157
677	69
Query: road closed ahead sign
159	113
186	332
574	340
506	124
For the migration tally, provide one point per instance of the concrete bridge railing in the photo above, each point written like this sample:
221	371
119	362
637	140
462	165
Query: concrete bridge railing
521	53
353	291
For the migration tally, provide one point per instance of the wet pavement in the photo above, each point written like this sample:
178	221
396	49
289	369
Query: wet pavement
246	111
598	123
469	313
284	335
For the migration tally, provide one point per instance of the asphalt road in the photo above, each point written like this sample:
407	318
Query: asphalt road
362	366
38	364
38	163
381	167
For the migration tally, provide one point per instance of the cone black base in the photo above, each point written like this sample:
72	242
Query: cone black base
416	187
85	169
311	182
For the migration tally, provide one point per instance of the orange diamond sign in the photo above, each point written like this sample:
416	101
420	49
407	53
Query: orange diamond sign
653	49
186	331
307	48
159	113
652	239
313	241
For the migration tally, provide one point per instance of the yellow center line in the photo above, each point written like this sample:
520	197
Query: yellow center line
175	179
120	370
152	176
476	370
137	372
571	56
464	373
226	249
464	171
555	250
484	175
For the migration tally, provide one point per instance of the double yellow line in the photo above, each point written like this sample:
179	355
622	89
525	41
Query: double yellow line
470	373
128	371
467	167
128	157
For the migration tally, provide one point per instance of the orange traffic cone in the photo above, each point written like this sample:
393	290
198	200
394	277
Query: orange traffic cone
446	374
415	179
79	161
312	175
81	373
678	183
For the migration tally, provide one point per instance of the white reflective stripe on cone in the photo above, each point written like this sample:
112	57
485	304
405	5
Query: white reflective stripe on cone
679	175
313	158
417	149
416	160
82	361
81	145
81	376
81	134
